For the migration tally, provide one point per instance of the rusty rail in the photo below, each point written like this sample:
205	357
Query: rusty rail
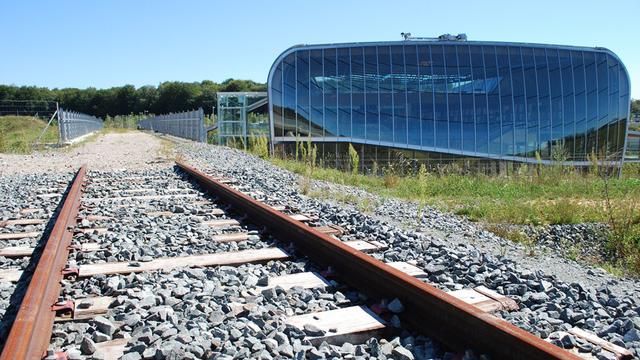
430	310
30	333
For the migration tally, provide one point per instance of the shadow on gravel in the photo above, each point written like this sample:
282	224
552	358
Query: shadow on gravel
23	283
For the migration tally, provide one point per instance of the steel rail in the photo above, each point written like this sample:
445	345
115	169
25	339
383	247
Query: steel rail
31	331
449	320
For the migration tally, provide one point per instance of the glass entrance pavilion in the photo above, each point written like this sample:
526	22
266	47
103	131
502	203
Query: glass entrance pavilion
449	100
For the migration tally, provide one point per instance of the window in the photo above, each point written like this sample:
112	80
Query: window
386	99
289	94
316	115
580	106
371	85
357	93
480	99
413	95
531	95
330	93
302	93
276	101
426	96
344	92
568	105
519	102
399	95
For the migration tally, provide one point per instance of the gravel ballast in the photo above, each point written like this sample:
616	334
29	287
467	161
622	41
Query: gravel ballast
554	293
193	313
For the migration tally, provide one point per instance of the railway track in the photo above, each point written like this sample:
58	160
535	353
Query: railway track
185	265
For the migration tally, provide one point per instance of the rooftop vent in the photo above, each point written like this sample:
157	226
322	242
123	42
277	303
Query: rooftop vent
444	37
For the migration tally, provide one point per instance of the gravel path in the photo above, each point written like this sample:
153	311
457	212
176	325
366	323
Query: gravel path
554	294
111	151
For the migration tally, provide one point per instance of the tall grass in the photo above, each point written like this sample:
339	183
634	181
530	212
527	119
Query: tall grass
532	195
18	133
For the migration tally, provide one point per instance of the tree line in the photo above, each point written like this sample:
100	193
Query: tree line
170	96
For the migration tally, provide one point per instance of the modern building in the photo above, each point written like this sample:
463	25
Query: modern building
449	99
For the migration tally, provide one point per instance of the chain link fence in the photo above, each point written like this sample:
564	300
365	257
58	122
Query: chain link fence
73	125
187	125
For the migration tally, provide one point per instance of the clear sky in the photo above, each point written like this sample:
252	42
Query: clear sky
67	43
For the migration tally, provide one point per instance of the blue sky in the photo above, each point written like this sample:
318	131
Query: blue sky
111	43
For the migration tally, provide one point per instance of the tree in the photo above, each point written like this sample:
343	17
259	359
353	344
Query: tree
173	96
635	107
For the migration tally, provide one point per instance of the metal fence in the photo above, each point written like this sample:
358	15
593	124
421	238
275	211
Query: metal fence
73	125
187	125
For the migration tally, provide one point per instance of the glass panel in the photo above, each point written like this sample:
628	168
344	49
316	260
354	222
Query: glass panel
482	124
344	92
544	114
289	94
330	93
371	84
386	99
413	96
542	72
520	118
607	134
480	99
302	91
426	96
465	82
491	70
495	126
520	110
568	105
440	97
580	105
494	113
468	123
399	95
466	85
532	96
453	98
506	100
357	91
592	111
276	101
517	74
317	96
616	108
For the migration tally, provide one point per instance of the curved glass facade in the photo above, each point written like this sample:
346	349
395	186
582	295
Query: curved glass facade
470	99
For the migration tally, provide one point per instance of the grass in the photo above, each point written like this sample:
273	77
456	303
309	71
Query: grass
566	198
166	150
556	195
18	133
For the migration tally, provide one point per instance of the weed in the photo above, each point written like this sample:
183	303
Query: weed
514	234
391	179
259	146
354	159
304	185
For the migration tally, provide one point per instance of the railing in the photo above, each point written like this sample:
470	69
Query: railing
187	125
73	125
